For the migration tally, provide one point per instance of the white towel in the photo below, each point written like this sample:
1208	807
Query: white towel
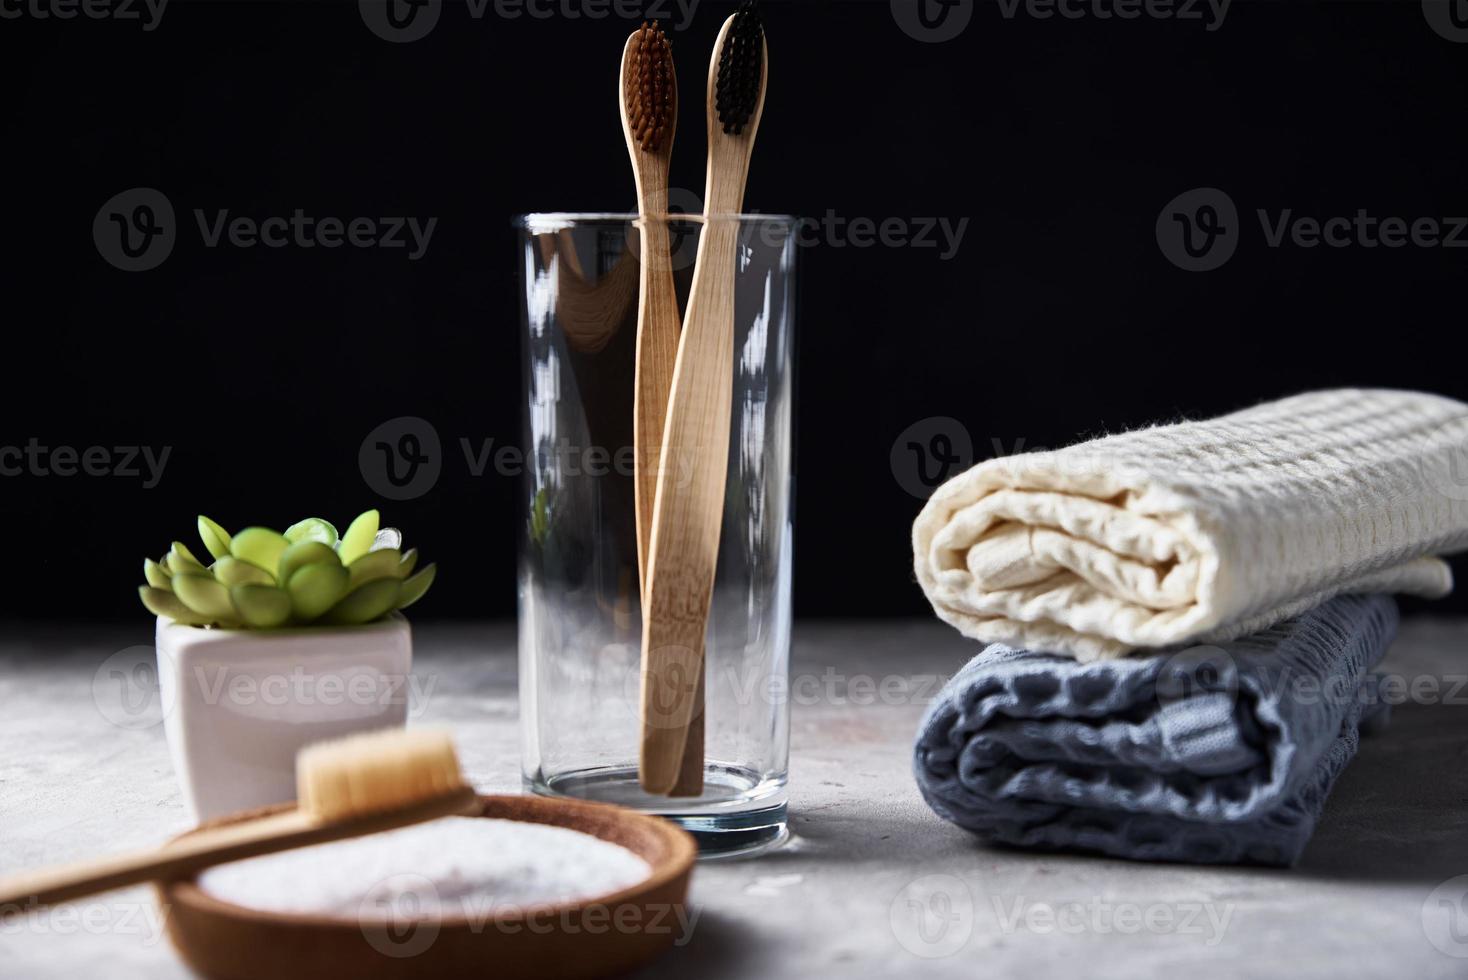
1200	530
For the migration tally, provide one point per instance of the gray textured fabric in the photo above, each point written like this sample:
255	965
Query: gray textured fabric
1221	754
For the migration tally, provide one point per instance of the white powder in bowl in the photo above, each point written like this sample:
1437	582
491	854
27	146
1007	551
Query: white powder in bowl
472	866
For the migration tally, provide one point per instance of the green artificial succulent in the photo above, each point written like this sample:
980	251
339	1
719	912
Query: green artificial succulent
262	579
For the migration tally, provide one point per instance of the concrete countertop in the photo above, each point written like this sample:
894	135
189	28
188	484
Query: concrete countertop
872	883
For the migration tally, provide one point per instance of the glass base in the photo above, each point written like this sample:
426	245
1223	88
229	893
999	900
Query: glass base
738	815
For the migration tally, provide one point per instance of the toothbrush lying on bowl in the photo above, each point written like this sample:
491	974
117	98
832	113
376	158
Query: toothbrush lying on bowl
347	788
689	504
649	105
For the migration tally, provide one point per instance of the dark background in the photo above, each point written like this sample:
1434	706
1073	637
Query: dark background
1061	140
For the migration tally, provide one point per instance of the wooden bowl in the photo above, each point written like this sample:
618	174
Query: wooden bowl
596	937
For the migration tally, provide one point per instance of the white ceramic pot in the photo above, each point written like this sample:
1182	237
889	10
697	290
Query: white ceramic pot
239	704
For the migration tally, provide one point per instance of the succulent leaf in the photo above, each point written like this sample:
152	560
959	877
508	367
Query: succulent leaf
413	588
204	596
359	537
312	529
388	537
161	602
261	606
372	601
156	575
315	588
215	538
261	579
260	546
304	553
230	571
540	516
181	561
375	565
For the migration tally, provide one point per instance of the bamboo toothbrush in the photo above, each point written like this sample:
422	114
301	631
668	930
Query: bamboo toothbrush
649	120
689	505
347	788
649	117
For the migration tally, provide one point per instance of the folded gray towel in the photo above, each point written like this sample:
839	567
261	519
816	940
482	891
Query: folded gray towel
1221	754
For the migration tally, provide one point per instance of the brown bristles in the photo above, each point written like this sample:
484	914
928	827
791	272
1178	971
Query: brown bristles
741	62
648	88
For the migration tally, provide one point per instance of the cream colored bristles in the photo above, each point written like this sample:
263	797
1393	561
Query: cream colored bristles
374	772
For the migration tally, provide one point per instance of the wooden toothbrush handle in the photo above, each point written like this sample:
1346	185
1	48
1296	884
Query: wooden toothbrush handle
232	842
64	882
688	513
657	352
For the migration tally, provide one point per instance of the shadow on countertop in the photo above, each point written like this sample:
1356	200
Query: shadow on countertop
1397	812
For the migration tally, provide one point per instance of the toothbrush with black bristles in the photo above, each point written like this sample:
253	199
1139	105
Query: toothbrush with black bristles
689	504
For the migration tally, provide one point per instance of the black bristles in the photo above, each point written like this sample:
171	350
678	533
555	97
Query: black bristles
736	93
650	94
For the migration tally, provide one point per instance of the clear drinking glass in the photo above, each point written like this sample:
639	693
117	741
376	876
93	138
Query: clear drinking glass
580	616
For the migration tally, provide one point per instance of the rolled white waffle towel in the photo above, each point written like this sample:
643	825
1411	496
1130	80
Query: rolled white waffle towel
1200	530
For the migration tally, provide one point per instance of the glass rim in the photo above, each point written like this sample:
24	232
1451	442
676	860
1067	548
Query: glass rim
543	221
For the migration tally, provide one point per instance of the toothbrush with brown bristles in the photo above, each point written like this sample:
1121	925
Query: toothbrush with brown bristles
649	120
689	505
347	788
649	100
